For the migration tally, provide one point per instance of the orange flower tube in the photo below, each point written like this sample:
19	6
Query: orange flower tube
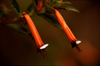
40	45
67	30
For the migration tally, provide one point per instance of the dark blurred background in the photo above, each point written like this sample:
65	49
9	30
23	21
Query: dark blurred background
19	49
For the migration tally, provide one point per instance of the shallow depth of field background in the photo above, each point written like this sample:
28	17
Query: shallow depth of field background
19	49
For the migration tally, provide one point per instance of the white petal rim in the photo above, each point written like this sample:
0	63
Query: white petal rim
78	42
44	46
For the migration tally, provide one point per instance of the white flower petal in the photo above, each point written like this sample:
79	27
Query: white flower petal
78	42
44	46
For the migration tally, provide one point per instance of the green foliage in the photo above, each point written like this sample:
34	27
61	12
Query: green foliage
45	10
5	10
50	2
44	13
70	8
14	5
57	3
34	5
65	2
51	19
36	1
18	28
30	9
48	8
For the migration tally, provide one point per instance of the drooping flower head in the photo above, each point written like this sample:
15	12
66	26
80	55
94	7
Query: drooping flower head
40	45
72	38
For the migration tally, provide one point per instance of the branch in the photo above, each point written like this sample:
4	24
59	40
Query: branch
61	0
39	8
7	21
39	2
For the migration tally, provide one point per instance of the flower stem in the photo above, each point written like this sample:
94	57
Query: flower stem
40	7
61	0
39	2
8	21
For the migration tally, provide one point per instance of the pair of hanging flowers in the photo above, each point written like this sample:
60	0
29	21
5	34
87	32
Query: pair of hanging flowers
40	45
51	8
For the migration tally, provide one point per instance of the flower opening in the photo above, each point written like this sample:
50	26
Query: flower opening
44	46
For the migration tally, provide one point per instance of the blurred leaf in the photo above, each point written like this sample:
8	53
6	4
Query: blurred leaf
5	10
70	8
50	19
34	6
15	4
30	9
50	1
54	2
18	28
48	8
42	11
36	1
57	4
65	2
14	9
